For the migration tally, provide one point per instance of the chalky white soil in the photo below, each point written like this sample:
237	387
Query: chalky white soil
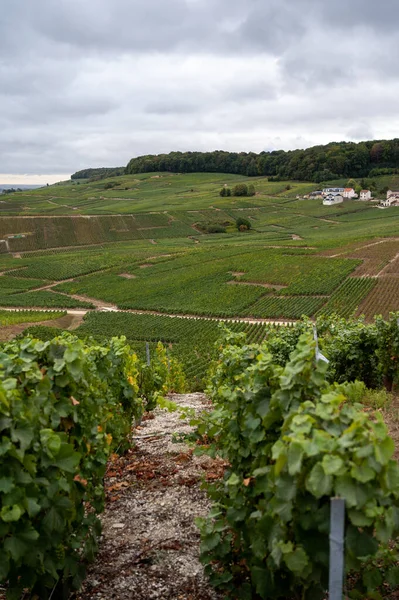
150	544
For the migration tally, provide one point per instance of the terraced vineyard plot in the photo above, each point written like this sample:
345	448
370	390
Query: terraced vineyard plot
383	298
279	307
198	283
57	267
320	278
376	256
8	317
42	299
151	220
346	299
190	340
309	275
188	292
11	285
152	213
28	234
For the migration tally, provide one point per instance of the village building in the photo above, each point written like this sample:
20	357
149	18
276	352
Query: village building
365	195
315	195
328	191
333	199
392	198
349	193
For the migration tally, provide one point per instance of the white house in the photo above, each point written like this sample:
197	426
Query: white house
349	193
333	199
392	198
328	191
365	195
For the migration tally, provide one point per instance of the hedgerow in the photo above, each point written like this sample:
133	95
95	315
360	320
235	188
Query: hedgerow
292	441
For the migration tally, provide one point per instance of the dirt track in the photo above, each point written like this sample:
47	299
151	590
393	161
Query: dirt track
150	544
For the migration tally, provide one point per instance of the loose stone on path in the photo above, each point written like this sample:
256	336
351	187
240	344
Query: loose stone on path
150	544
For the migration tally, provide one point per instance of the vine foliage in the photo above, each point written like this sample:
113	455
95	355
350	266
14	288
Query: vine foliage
292	441
65	405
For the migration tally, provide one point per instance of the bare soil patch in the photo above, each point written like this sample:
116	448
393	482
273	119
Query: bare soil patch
95	301
146	265
150	544
127	275
69	322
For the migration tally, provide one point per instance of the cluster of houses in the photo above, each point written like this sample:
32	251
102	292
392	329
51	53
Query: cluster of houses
337	195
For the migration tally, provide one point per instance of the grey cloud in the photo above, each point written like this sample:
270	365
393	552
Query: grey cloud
97	81
170	108
379	16
360	131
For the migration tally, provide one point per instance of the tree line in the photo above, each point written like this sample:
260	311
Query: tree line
100	173
317	164
320	163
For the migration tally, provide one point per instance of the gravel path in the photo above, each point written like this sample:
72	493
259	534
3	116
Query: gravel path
150	544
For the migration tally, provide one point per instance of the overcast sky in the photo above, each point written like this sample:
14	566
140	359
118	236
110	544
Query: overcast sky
87	83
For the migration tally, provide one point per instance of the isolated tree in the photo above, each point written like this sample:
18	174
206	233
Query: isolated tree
240	190
243	224
351	183
251	190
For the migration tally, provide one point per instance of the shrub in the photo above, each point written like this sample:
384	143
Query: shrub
215	228
211	227
64	406
292	441
242	222
241	189
251	190
222	192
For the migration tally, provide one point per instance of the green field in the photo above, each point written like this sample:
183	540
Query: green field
141	246
192	341
8	318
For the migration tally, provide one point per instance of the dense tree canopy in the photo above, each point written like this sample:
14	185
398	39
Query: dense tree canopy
100	173
319	163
